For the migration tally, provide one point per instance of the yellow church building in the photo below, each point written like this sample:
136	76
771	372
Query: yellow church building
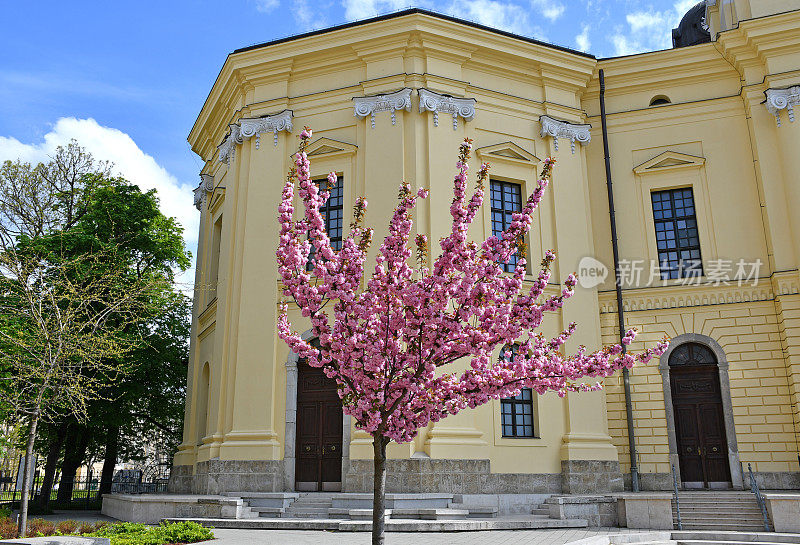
705	169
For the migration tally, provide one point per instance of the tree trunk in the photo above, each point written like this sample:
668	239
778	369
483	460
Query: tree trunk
53	454
73	458
26	476
379	443
112	450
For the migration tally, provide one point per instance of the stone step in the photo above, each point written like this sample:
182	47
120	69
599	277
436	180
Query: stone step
268	511
540	511
723	520
429	514
466	525
726	537
738	527
715	542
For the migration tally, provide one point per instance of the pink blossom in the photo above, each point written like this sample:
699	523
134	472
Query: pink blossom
388	338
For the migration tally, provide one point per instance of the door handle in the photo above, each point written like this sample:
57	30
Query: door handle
323	450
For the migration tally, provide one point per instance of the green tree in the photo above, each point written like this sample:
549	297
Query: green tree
85	261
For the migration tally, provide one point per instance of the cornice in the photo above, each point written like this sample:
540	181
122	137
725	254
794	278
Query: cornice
328	51
672	297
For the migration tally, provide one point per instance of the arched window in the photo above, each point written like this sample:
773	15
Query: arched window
692	354
660	100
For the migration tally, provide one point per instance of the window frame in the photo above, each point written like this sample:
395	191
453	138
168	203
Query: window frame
325	210
506	213
518	401
676	231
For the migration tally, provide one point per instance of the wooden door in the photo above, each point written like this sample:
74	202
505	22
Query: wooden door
318	463
700	427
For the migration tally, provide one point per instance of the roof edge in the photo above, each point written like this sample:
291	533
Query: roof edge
404	13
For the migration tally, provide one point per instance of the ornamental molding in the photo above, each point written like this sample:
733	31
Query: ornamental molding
227	149
669	160
436	103
671	297
369	105
782	99
249	127
202	191
509	152
563	129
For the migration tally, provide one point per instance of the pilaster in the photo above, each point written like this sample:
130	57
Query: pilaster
586	447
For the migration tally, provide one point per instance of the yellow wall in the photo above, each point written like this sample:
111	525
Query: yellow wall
724	145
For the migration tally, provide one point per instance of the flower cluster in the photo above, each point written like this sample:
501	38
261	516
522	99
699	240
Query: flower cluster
389	338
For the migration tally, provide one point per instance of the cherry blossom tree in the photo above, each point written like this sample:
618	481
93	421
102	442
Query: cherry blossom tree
395	340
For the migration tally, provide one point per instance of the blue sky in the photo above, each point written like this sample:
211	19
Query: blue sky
127	79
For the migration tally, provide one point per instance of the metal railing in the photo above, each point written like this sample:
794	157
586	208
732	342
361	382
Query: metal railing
677	502
82	492
759	498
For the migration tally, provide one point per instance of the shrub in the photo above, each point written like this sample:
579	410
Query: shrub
183	532
67	527
129	533
8	529
40	527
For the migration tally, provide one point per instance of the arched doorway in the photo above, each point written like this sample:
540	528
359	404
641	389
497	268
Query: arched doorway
319	432
702	444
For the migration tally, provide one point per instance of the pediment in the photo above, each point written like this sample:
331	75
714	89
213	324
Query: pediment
670	160
507	151
328	146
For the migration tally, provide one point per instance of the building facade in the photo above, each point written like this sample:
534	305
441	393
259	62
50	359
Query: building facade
705	159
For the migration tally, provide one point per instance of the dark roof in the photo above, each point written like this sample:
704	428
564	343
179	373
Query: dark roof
691	30
409	12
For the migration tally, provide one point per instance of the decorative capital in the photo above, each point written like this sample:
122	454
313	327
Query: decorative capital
253	126
202	191
563	129
782	99
367	106
268	123
434	102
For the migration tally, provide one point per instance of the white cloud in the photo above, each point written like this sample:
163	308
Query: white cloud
582	39
106	143
495	14
362	9
266	6
551	9
649	30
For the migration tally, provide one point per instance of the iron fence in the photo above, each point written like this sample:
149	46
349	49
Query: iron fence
85	491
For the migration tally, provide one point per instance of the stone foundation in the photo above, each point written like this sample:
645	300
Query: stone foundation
651	482
424	475
597	511
774	480
221	476
590	477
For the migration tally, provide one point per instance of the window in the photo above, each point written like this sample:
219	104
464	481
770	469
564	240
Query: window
506	200
677	237
517	414
216	241
332	215
660	100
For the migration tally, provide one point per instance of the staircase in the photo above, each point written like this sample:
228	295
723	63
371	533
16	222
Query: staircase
309	506
719	510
